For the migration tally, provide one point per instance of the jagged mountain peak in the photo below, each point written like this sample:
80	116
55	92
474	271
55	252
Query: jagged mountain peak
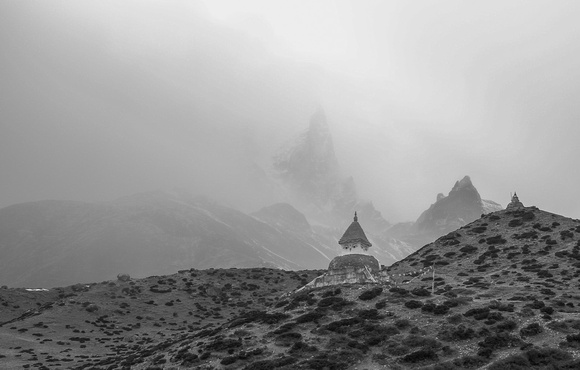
462	205
310	154
464	183
318	121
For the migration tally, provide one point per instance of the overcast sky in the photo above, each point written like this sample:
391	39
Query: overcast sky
100	99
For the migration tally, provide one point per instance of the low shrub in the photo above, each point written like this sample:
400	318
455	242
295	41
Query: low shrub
508	325
402	323
228	360
478	313
421	292
329	301
565	326
223	345
371	314
498	239
547	310
572	341
455	334
370	294
399	291
412	304
531	330
420	356
440	309
551	358
287	339
468	249
339	325
500	340
271	364
515	222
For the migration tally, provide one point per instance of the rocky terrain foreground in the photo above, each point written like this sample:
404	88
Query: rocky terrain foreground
505	296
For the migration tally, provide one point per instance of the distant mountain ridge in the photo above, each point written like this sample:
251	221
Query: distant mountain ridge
54	243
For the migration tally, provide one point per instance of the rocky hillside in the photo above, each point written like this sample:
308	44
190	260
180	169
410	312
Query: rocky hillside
505	297
462	205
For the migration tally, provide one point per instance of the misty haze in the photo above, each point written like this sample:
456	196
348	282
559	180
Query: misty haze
287	151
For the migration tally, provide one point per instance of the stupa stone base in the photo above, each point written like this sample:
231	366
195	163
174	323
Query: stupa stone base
351	269
355	261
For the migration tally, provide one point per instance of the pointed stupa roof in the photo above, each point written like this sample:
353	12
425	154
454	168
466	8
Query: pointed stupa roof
354	234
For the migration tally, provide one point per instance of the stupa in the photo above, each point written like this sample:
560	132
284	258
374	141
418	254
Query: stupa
515	202
354	265
355	246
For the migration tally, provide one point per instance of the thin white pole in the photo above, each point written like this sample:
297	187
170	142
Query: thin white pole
433	280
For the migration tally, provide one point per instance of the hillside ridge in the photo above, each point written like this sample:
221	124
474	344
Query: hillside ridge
505	295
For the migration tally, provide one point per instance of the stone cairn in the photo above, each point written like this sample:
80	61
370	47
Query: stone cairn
515	202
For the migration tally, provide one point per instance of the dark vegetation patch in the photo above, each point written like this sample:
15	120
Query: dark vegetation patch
399	291
536	358
565	326
456	333
421	292
219	345
260	317
498	239
370	294
421	355
335	303
500	340
412	304
572	341
310	316
478	229
271	364
468	249
340	326
531	330
287	339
